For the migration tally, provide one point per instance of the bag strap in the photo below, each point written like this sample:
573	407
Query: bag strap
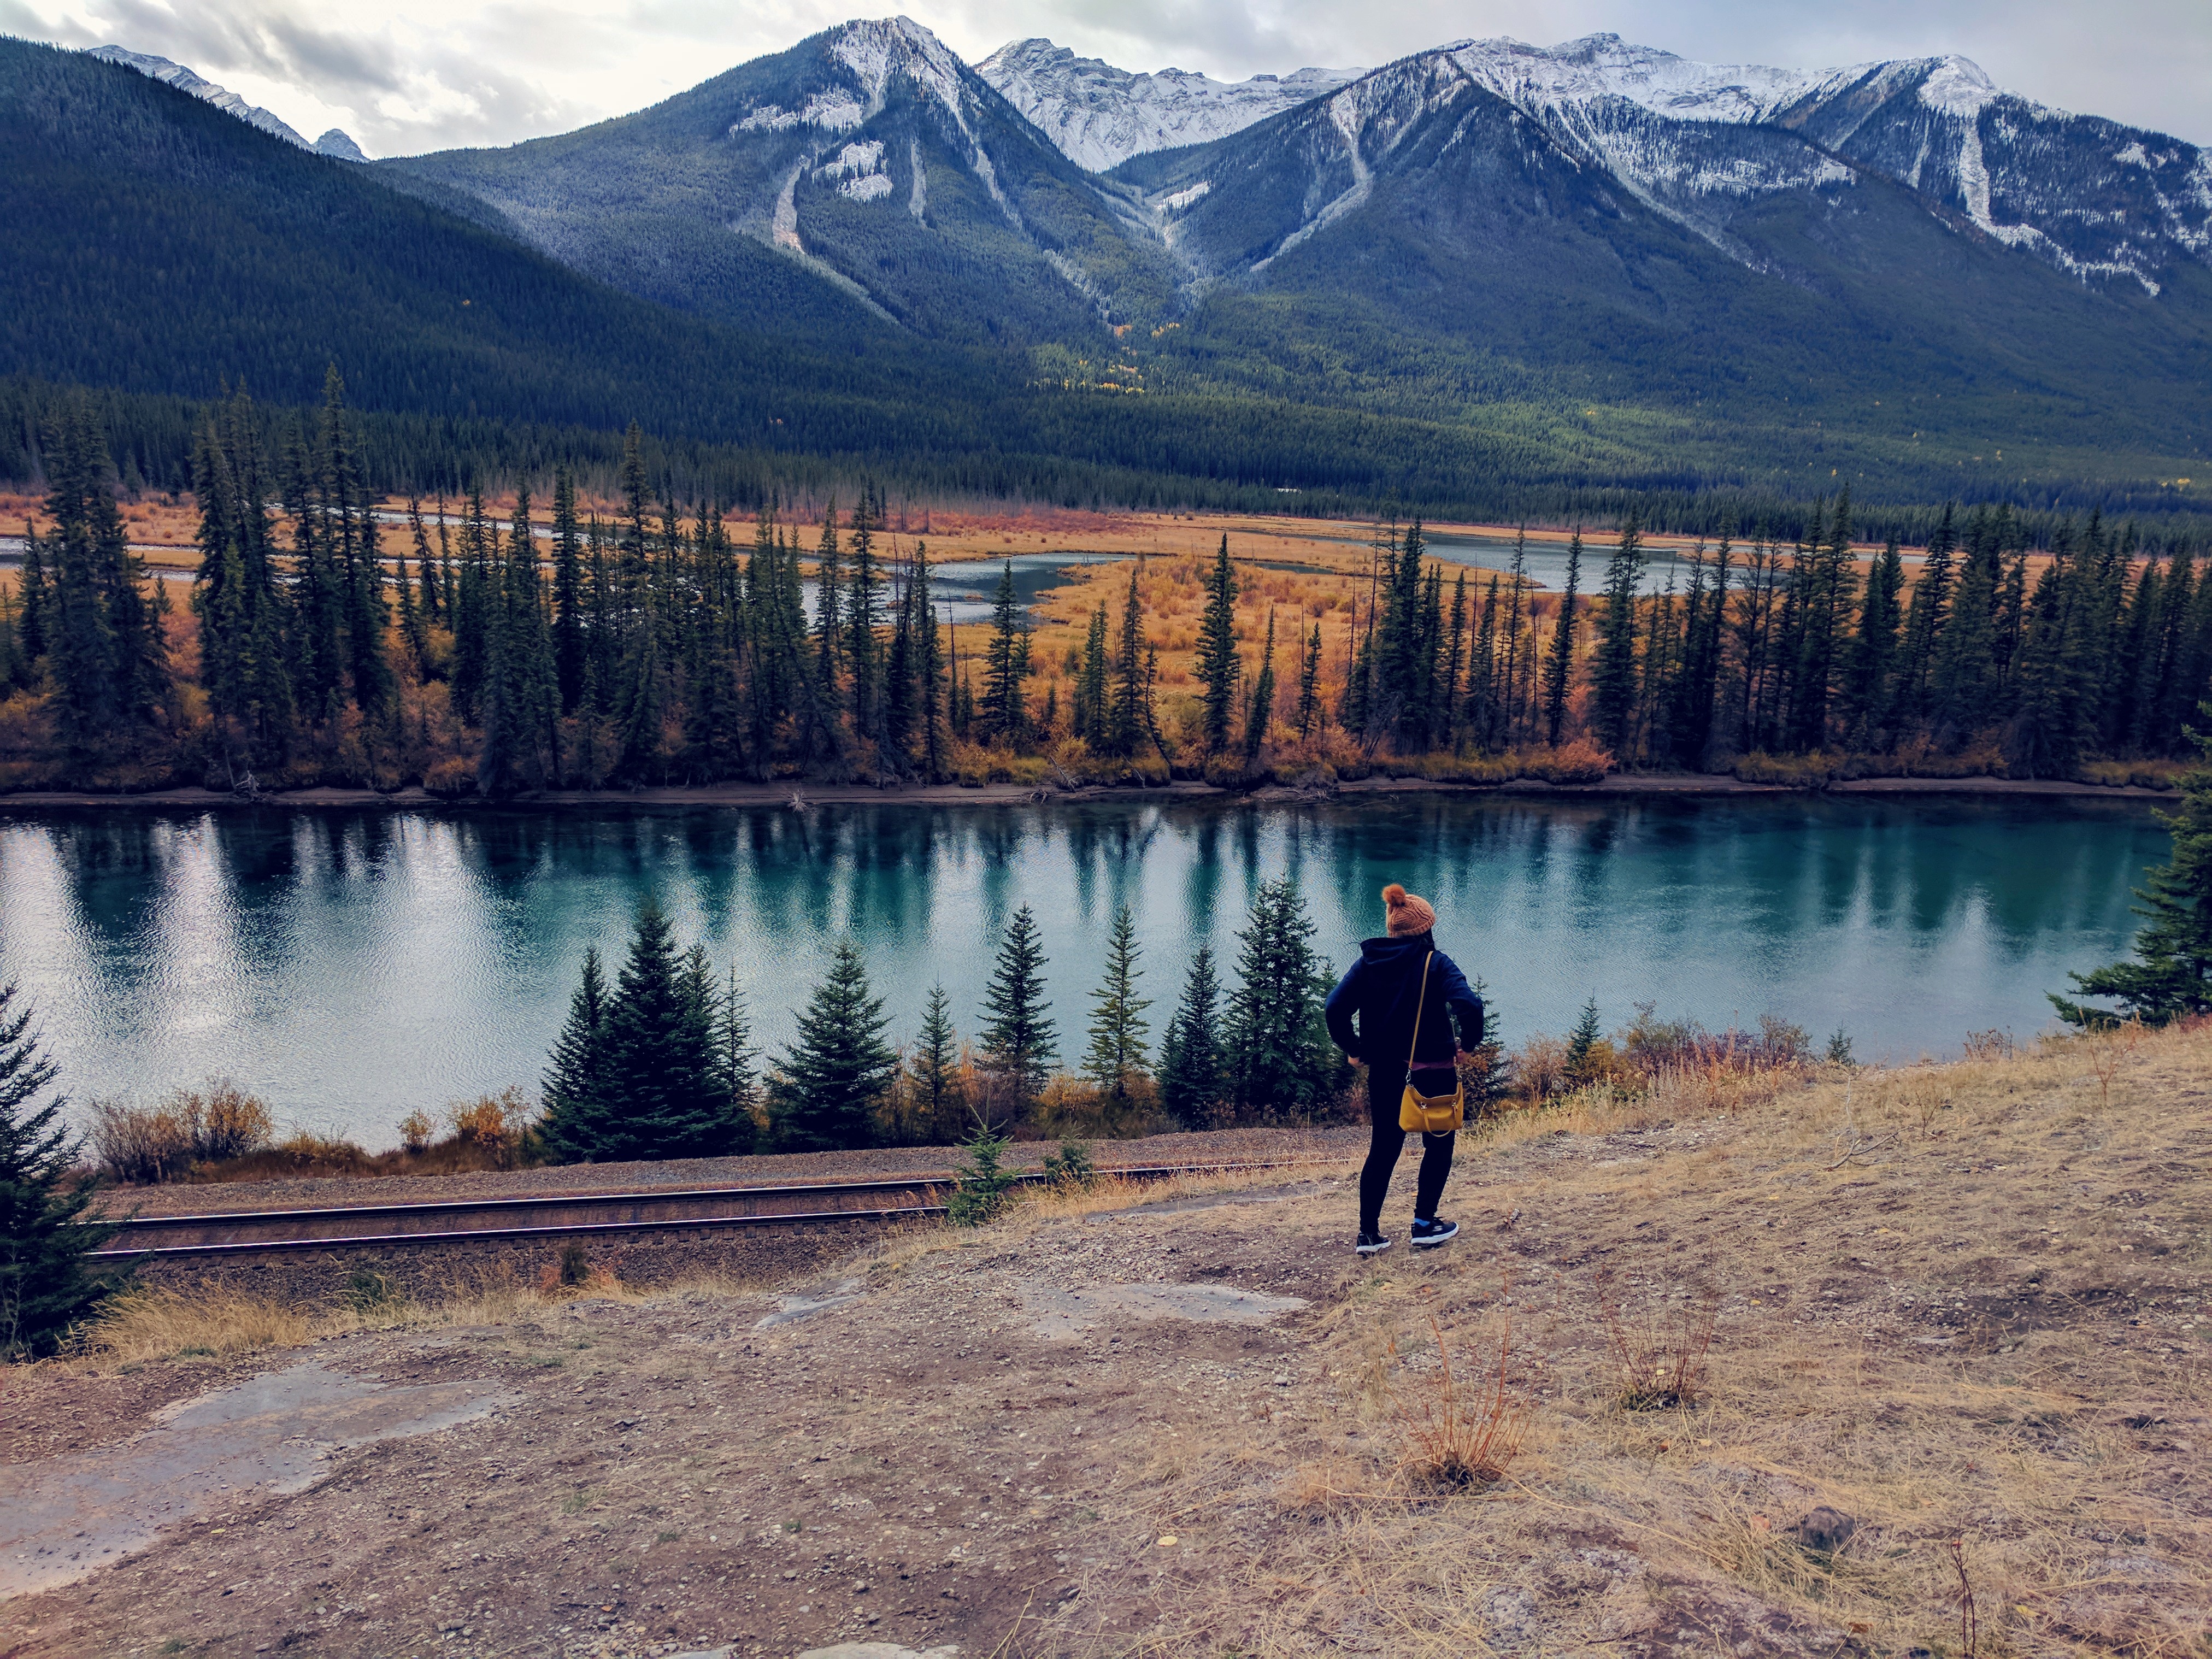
1414	1047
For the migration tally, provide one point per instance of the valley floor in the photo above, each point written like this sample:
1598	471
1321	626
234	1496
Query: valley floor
1962	1306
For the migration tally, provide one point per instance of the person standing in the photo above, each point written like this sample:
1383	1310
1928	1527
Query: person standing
1395	1009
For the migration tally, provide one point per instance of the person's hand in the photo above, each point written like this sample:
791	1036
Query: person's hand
1351	1058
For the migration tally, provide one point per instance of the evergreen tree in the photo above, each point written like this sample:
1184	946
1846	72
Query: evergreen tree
570	646
1862	709
1963	682
661	1097
825	1094
1192	1068
1091	716
47	1284
1216	668
1118	1027
932	1071
929	669
1580	1043
1612	675
2171	978
1005	711
1130	721
864	650
1923	624
1261	713
576	1100
738	1058
1559	660
1281	1060
1020	1043
1310	709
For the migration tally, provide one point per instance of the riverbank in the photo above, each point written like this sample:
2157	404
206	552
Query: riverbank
803	794
1956	1337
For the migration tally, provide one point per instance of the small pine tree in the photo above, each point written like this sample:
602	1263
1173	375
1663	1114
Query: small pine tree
982	1186
47	1284
2171	978
1118	1027
1261	713
660	1093
1581	1042
1216	667
824	1095
571	1131
1190	1053
1280	1060
933	1071
738	1058
1020	1044
1559	657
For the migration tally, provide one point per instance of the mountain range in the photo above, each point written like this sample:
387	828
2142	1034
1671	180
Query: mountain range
1609	260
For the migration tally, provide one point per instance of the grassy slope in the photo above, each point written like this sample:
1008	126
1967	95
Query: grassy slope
1961	1302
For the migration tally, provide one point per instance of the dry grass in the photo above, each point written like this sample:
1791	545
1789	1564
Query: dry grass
2023	1472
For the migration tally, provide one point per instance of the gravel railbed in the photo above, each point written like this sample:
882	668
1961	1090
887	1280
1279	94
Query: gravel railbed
1207	1146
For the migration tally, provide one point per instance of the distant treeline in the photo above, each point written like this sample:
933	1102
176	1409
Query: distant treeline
1074	450
656	644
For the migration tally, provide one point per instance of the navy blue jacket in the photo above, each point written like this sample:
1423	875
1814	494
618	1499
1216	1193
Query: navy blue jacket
1382	989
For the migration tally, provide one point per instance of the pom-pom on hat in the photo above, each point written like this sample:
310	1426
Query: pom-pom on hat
1410	916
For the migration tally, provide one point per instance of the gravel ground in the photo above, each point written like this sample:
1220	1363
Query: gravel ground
1213	1147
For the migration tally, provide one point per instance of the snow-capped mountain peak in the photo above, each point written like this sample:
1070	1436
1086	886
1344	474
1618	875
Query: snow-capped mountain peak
1099	116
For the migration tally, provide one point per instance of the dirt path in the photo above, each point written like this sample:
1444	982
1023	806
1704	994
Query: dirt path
1959	1304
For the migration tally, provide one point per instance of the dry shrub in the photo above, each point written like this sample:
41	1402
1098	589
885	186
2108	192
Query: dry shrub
142	1144
1989	1045
495	1126
1660	1364
1459	1432
416	1131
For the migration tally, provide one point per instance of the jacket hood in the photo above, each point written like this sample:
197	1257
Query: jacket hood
1395	952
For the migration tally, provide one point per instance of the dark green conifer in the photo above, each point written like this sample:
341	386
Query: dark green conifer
1259	714
1118	1027
1612	675
1005	711
2171	977
1021	1044
47	1285
1192	1072
1280	1062
1559	660
1217	667
825	1094
661	1093
933	1080
576	1098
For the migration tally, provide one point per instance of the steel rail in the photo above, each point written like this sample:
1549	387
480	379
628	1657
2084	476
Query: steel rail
446	1221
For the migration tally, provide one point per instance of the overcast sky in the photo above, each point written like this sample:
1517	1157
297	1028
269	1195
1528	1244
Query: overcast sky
405	76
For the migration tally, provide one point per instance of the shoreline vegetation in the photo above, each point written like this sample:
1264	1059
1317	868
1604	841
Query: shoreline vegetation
489	648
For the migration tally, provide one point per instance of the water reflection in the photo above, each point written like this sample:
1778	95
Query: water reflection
353	965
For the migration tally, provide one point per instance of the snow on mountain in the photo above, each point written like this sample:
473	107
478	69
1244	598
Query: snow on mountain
183	80
1692	141
1100	116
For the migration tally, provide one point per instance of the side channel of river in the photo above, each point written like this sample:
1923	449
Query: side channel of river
350	965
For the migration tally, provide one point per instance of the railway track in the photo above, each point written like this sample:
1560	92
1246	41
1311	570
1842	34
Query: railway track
249	1233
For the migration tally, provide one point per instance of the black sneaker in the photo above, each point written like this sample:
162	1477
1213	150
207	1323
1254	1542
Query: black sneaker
1372	1244
1427	1235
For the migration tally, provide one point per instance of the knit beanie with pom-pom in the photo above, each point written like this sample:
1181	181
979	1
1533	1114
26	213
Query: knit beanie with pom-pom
1410	917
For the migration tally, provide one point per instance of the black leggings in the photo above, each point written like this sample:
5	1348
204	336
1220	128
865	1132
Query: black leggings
1383	1152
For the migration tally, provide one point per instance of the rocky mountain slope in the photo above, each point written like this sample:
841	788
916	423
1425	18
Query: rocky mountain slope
171	74
1705	145
1100	116
867	170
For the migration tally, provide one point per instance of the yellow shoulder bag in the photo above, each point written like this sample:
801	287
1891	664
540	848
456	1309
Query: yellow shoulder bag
1434	1114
